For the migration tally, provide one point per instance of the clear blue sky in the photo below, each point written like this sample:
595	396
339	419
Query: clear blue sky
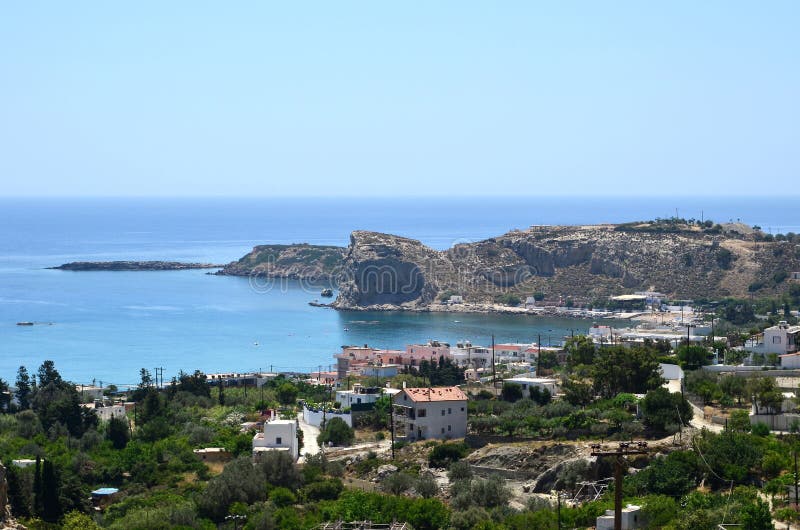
402	98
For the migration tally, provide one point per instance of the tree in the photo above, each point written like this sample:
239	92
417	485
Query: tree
660	408
23	392
618	369
58	402
117	432
580	350
287	393
540	396
195	383
279	469
397	483
75	520
238	482
578	393
51	507
739	421
756	516
733	386
426	486
511	392
48	374
152	406
692	357
337	432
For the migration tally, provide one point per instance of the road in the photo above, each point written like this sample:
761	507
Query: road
699	422
310	433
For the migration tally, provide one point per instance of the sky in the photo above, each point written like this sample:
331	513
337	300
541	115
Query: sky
445	98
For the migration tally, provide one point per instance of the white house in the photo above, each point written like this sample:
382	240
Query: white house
423	413
543	383
106	412
362	395
780	339
631	519
278	435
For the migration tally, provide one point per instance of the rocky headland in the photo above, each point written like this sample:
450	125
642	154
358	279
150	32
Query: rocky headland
297	262
133	266
582	264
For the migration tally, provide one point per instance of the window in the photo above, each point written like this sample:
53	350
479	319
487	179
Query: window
278	440
442	412
462	409
449	428
442	430
421	413
449	410
776	340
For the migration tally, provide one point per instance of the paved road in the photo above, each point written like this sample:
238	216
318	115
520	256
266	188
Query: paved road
310	433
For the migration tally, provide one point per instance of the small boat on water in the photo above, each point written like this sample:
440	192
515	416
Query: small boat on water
24	323
327	293
347	329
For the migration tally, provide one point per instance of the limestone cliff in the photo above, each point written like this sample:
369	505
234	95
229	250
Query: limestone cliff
584	263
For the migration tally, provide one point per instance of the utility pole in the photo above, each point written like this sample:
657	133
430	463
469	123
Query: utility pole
391	422
558	495
795	478
494	370
624	450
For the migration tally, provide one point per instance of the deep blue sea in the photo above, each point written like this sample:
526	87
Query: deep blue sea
105	326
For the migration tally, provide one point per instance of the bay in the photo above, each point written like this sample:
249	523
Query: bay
106	325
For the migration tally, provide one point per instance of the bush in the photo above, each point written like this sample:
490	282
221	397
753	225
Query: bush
397	483
329	489
426	486
337	432
511	392
282	497
445	454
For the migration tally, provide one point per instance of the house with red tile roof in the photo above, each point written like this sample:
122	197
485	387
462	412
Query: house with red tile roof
425	413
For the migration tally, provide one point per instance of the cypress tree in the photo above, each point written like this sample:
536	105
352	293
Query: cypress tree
51	508
37	487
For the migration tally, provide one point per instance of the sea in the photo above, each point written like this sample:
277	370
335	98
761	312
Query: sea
102	327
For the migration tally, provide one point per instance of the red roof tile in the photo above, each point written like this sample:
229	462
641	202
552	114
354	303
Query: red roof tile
445	393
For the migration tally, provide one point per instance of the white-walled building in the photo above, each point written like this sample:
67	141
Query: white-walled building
424	413
631	519
790	361
543	383
781	339
278	435
106	412
362	395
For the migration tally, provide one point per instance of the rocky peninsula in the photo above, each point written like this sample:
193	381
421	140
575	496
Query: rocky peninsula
581	265
133	266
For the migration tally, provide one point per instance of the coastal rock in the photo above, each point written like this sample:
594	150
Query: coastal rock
133	266
297	262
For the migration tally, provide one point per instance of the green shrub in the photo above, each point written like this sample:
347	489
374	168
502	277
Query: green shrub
445	454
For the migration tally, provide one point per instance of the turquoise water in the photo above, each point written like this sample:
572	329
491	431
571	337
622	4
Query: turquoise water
107	325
